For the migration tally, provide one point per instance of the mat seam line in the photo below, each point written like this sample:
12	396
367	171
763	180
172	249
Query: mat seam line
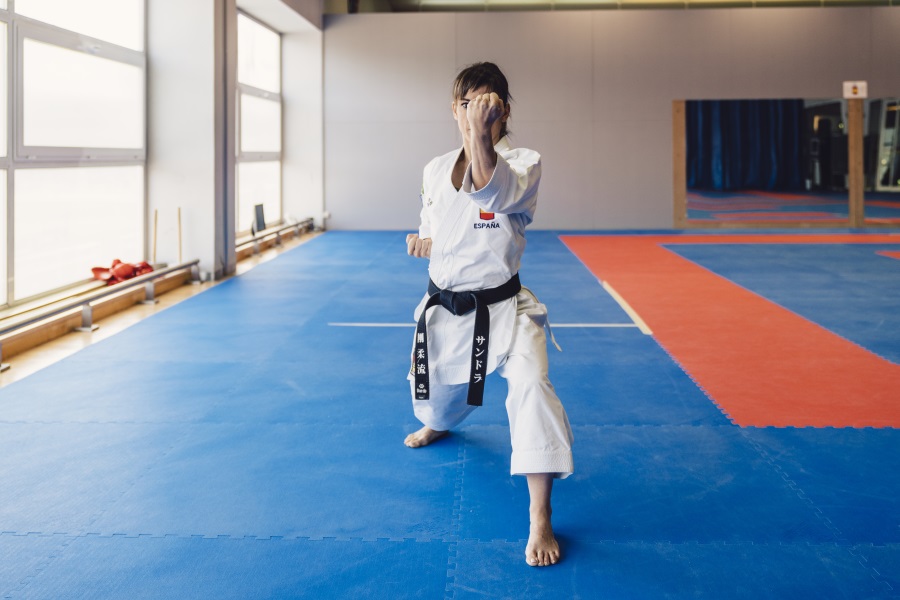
453	539
45	563
838	535
700	387
61	550
93	519
110	503
839	538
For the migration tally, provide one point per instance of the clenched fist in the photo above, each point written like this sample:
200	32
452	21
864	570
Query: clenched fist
418	247
483	111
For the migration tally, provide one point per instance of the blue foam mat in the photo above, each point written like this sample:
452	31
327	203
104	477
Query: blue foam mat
89	391
175	567
264	420
293	481
23	557
651	570
673	484
851	475
604	377
61	477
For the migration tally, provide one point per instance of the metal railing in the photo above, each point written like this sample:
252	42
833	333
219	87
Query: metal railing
85	301
274	232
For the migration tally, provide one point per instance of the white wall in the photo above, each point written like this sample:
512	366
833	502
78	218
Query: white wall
192	58
302	154
187	132
387	110
302	179
593	93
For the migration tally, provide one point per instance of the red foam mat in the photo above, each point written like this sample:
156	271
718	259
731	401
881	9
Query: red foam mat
762	364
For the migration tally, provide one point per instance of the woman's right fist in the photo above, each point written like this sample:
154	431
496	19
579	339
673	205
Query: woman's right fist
418	247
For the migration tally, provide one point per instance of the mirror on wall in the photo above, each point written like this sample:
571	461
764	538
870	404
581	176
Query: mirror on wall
766	162
881	160
787	162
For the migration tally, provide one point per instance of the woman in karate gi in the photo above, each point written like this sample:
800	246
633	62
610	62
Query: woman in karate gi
476	202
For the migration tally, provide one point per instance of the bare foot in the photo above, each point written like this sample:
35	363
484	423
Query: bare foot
542	549
423	437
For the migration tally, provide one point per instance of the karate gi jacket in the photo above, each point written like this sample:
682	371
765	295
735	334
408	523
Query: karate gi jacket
478	237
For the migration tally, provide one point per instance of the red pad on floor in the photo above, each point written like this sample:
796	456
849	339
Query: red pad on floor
750	216
762	364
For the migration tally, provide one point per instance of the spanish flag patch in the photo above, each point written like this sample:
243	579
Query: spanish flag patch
485	216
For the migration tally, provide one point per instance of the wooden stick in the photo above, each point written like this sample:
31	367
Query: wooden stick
179	234
679	163
155	229
856	181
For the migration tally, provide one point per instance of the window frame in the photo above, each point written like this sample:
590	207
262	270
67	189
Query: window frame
246	157
18	156
143	8
6	161
241	156
26	28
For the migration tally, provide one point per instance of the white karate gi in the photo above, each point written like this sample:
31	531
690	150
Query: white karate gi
477	242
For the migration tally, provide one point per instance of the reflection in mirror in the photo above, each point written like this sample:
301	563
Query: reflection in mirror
766	162
882	161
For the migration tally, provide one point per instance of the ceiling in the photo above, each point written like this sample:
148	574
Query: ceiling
532	5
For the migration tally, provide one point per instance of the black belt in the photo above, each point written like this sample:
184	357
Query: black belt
461	303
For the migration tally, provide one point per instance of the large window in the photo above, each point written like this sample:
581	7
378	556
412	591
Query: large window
5	254
73	162
68	220
3	240
78	100
120	22
258	124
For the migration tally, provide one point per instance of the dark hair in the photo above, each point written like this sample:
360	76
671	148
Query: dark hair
483	74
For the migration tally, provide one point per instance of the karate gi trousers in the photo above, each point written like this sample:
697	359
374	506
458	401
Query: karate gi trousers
538	425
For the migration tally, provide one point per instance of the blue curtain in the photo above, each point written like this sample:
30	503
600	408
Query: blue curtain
744	144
